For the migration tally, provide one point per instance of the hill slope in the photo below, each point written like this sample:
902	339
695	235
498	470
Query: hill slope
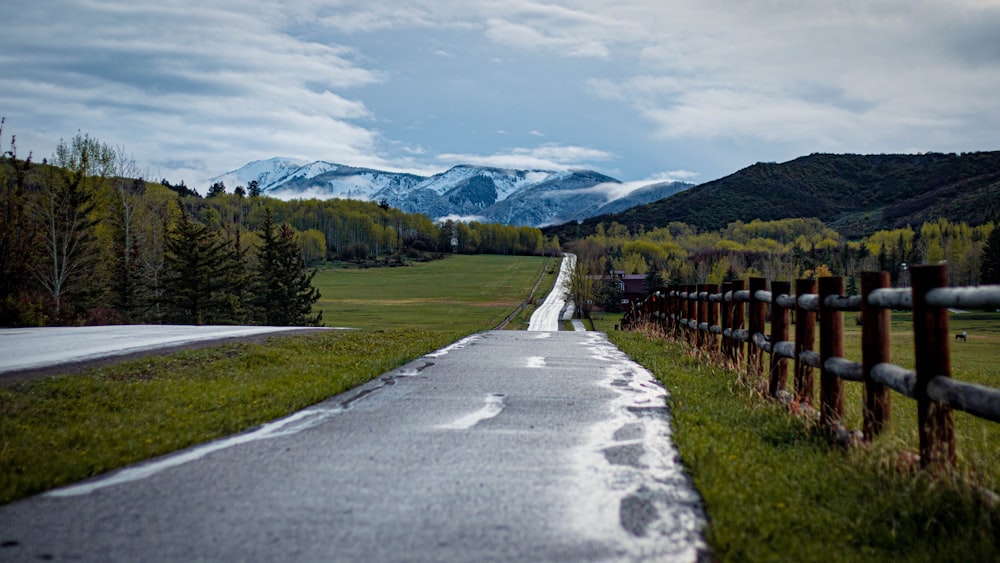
855	194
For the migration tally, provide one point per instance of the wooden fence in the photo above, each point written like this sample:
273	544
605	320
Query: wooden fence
712	317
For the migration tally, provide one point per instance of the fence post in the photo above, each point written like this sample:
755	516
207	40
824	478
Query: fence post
713	317
805	337
692	314
779	333
664	309
875	342
831	345
678	312
702	317
725	320
930	330
657	297
757	311
671	311
738	317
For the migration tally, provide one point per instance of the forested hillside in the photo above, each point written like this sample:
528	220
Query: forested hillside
855	194
85	240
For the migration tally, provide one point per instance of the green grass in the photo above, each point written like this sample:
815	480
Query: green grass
776	490
60	429
975	361
460	293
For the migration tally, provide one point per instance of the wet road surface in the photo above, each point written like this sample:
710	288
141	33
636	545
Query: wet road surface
505	446
547	316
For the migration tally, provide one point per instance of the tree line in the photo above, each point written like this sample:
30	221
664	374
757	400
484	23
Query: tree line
84	239
785	249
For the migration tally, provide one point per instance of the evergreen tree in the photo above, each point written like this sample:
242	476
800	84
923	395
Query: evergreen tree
216	189
197	267
989	265
731	275
284	294
238	283
609	294
18	238
253	188
654	278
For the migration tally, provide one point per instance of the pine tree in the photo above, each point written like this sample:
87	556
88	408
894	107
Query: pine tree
610	293
238	283
989	265
18	238
216	190
731	275
284	294
197	266
654	278
253	188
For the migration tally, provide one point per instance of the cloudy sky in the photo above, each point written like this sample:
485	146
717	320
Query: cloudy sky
637	89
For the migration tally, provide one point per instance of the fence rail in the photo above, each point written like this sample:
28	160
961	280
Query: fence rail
725	318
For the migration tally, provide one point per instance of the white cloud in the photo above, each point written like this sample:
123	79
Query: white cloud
462	219
853	76
545	157
192	88
525	36
618	190
209	87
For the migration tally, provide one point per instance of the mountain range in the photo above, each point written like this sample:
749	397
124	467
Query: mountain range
493	195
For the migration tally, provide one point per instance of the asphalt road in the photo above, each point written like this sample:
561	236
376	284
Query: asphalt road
546	317
506	446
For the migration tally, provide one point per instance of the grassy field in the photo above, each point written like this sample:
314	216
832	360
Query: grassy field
63	428
775	489
975	361
460	293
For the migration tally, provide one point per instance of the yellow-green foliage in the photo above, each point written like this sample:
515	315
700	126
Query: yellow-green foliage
790	248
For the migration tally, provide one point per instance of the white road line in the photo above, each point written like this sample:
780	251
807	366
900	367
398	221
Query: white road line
293	424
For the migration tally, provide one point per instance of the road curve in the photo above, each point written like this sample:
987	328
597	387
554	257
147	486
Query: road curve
508	445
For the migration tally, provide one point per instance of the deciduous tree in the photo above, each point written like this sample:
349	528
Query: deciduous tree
66	213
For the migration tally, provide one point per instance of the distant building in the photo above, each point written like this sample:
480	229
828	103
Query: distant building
632	286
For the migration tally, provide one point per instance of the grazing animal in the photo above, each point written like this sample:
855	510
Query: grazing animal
963	336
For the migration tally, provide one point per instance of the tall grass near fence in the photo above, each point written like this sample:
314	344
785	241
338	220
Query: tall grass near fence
777	490
700	315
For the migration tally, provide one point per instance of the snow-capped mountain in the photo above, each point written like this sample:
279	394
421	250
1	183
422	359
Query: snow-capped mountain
496	195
